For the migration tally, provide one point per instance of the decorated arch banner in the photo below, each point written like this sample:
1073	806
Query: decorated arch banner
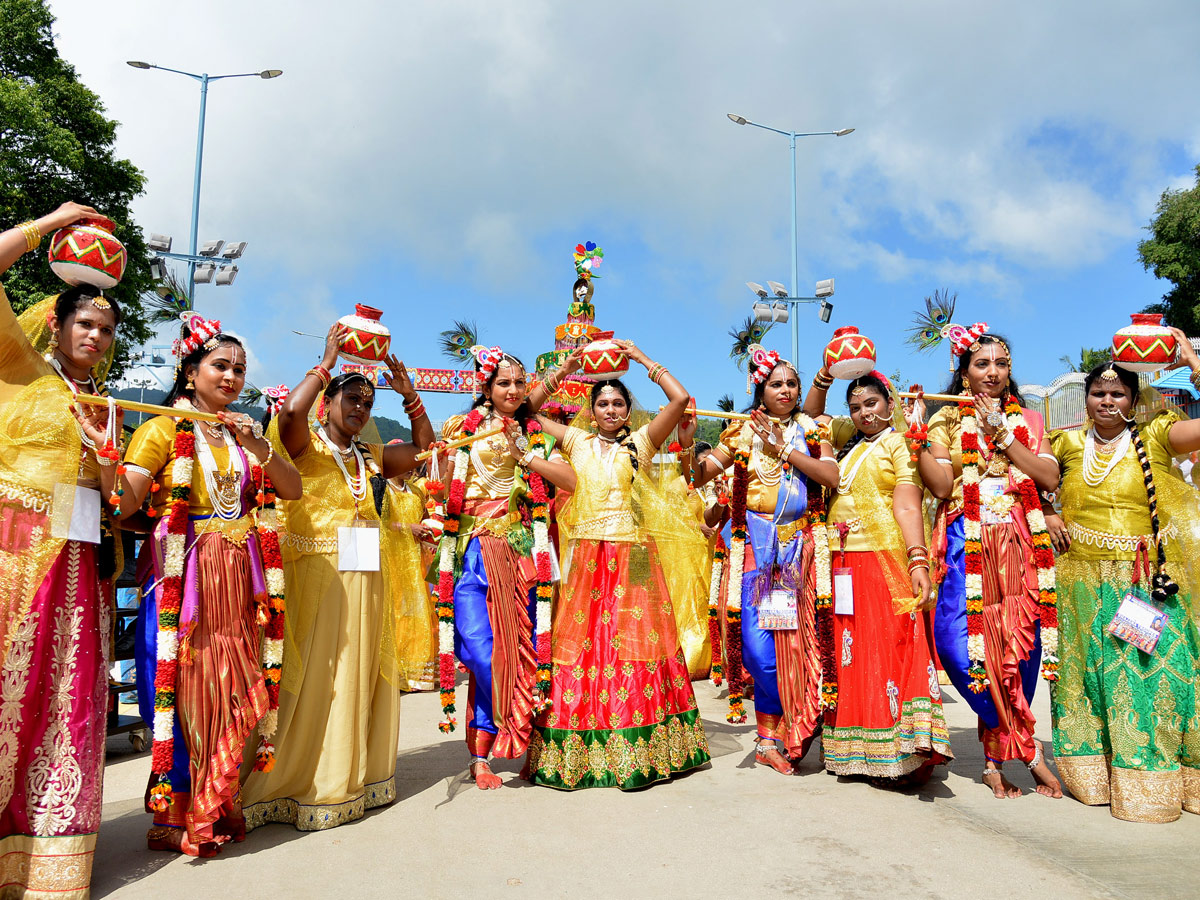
443	381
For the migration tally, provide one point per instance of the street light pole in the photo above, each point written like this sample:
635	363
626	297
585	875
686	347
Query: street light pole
204	78
791	136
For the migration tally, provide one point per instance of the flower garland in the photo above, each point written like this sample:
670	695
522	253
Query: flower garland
540	515
823	573
918	439
1043	554
169	605
272	618
714	614
733	597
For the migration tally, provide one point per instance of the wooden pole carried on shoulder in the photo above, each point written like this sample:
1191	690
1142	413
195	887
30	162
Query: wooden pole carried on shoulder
153	408
462	442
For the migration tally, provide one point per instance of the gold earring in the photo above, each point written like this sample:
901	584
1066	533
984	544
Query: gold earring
966	385
53	341
191	385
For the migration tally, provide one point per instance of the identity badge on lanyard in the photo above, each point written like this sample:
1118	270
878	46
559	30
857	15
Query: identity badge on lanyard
1138	622
843	591
358	547
84	524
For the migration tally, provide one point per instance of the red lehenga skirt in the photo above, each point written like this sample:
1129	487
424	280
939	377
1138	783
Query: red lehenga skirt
52	730
623	713
888	721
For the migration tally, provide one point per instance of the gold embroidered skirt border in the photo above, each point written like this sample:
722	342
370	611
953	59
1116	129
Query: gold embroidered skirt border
46	867
319	817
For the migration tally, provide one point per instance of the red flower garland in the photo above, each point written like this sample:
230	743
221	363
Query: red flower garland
714	618
733	612
817	514
273	617
540	515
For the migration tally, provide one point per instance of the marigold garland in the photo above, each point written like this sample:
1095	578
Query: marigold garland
733	597
1043	554
273	617
540	515
714	614
818	514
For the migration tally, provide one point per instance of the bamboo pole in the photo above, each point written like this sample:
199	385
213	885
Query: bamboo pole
937	398
715	414
135	406
462	442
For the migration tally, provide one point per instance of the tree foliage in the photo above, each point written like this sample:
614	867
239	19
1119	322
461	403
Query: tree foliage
56	145
1173	253
1088	359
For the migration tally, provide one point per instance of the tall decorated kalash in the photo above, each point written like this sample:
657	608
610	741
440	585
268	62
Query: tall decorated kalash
577	331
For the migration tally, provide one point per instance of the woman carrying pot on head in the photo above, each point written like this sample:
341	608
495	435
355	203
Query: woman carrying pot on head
358	623
1124	706
211	487
495	559
986	458
622	712
886	721
58	464
769	587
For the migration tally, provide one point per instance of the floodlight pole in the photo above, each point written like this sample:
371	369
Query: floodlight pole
204	78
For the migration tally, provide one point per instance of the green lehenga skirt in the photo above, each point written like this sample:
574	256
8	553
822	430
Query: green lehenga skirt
1126	723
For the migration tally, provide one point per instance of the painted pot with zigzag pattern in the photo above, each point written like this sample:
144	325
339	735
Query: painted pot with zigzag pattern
850	354
1146	345
367	340
603	358
87	253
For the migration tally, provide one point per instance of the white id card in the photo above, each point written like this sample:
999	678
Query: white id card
843	592
358	549
991	490
1138	622
85	514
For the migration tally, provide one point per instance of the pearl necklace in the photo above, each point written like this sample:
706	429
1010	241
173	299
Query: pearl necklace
846	478
224	488
499	485
769	469
1095	471
358	483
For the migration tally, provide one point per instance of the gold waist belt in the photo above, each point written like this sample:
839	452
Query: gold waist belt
613	523
306	544
233	530
787	533
1127	543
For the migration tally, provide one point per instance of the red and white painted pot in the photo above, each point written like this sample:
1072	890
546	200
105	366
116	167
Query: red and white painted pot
368	340
1147	345
87	253
849	355
604	358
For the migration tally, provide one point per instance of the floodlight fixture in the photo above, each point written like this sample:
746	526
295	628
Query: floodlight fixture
226	274
211	248
204	273
233	250
733	117
825	288
826	310
777	289
158	268
757	288
159	243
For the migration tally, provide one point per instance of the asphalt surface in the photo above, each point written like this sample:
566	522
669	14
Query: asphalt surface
728	830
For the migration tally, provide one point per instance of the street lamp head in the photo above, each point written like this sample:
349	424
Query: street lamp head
842	132
733	117
138	64
757	288
777	289
275	73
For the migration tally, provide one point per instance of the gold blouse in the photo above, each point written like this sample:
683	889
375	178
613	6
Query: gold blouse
882	465
762	491
311	523
602	506
492	474
152	448
1097	517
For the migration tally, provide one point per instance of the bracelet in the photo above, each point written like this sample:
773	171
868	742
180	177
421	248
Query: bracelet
415	409
655	372
525	460
662	370
918	550
918	564
1194	378
822	384
553	381
33	235
322	374
1005	442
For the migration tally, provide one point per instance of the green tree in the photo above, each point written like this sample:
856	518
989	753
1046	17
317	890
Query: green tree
57	145
1088	359
1173	252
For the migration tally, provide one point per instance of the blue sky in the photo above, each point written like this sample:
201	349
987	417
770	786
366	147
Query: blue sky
442	160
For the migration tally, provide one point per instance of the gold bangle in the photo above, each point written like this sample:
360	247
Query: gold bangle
33	235
270	454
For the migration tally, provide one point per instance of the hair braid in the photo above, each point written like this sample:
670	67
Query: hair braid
1162	586
858	438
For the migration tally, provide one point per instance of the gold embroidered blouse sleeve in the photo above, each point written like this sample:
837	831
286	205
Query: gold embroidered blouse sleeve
152	448
945	428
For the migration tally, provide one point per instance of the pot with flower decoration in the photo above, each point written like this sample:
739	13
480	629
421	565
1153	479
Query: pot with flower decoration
849	355
367	340
604	358
87	253
1145	345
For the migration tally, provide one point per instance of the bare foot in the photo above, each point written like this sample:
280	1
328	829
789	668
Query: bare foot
1047	784
1002	788
485	778
767	754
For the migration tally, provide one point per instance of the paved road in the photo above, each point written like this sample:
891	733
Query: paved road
732	830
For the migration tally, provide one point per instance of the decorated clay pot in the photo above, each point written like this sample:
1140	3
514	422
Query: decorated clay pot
850	354
603	358
1147	345
87	253
368	340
